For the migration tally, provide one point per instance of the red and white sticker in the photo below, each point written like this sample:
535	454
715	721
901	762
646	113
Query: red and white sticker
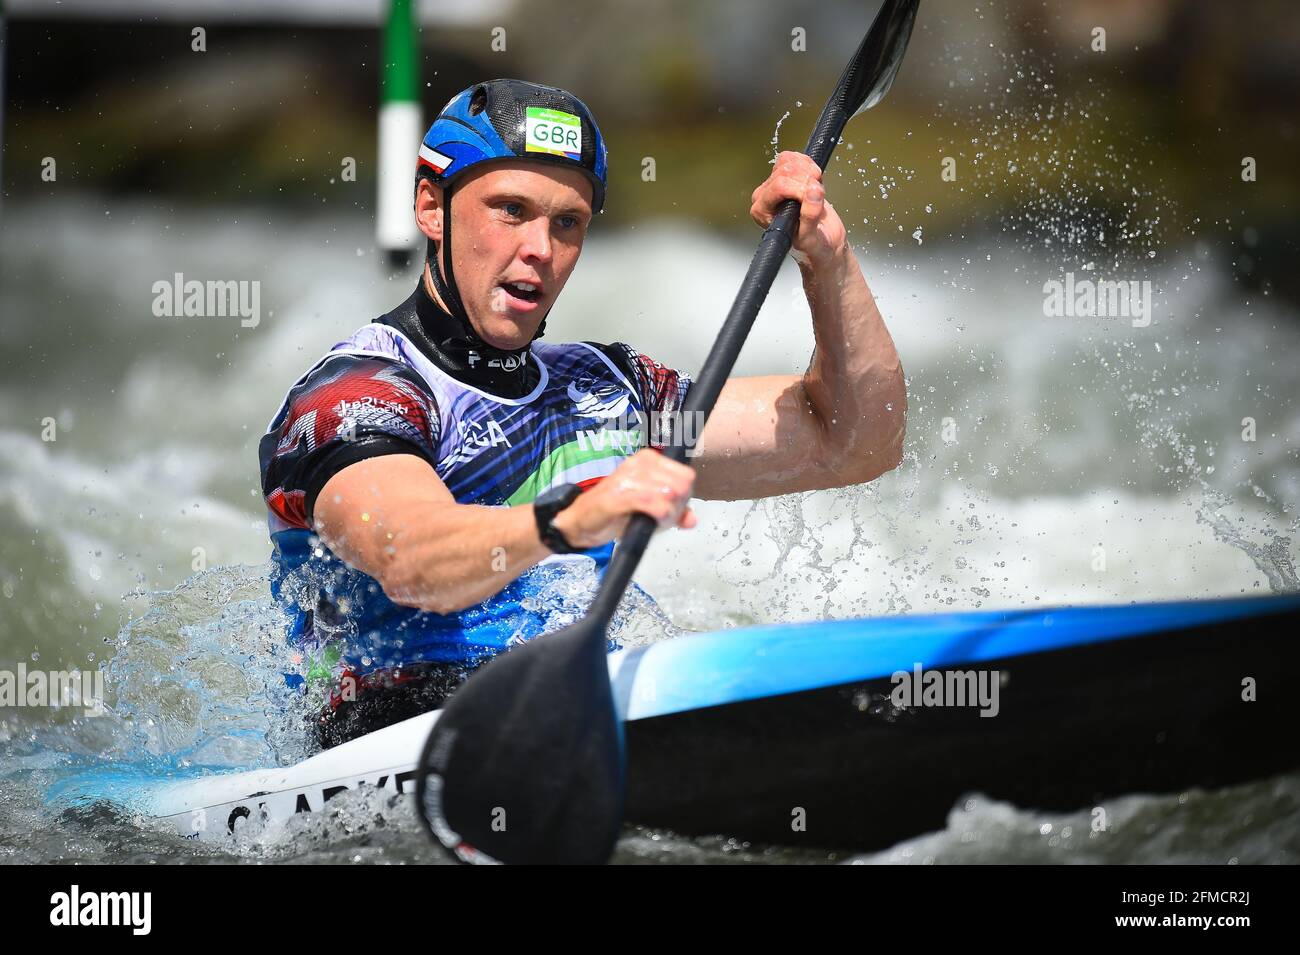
434	159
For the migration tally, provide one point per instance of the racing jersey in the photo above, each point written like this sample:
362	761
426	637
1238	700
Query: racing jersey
578	410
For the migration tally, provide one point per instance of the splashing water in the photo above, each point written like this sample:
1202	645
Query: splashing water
1039	450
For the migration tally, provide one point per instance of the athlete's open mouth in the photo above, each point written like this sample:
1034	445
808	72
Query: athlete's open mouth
521	294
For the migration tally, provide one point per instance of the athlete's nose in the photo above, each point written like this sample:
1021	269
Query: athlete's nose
537	240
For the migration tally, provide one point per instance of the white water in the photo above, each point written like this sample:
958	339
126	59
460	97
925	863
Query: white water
1071	435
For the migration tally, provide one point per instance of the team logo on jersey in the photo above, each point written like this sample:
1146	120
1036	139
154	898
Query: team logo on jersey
592	400
482	434
303	428
366	407
609	439
509	363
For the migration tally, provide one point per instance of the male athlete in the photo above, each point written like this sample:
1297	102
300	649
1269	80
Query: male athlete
441	480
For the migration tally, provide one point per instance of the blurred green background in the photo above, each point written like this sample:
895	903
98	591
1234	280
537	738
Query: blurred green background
112	89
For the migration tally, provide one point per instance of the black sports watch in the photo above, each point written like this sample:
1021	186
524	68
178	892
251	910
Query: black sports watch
545	507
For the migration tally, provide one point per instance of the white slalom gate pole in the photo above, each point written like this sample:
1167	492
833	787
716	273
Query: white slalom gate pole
399	136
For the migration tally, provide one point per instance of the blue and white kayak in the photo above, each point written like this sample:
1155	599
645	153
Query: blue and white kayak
861	733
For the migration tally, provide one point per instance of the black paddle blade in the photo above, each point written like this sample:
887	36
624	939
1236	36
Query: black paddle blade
525	765
871	72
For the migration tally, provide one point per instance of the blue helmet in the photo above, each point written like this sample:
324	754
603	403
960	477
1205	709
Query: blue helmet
499	120
514	119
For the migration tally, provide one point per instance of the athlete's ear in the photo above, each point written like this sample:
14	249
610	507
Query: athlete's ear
428	209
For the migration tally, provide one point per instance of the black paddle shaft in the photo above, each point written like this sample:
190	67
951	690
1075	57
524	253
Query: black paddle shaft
862	84
526	762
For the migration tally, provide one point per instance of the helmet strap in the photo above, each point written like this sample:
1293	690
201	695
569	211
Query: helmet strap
444	280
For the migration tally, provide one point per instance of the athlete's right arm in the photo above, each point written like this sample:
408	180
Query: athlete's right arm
392	518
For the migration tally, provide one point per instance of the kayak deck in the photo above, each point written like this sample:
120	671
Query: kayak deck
788	733
1150	712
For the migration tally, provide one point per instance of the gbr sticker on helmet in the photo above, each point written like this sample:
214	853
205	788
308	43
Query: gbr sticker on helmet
553	131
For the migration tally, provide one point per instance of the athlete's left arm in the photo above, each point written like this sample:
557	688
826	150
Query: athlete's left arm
842	421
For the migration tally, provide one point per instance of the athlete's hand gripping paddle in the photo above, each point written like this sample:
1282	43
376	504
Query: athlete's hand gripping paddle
525	765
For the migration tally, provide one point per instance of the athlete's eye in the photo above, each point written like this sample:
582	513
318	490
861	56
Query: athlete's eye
513	209
568	222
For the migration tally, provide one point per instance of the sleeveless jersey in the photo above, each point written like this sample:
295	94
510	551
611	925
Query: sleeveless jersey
376	392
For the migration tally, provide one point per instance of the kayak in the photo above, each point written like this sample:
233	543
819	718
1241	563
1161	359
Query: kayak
861	733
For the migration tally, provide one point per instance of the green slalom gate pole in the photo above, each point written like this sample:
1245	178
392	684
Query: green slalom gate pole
399	135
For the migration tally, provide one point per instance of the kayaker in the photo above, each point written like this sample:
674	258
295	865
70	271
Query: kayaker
441	484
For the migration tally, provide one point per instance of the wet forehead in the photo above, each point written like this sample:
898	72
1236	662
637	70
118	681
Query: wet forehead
551	186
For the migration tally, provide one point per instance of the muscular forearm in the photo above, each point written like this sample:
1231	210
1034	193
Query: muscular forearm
444	557
392	518
854	381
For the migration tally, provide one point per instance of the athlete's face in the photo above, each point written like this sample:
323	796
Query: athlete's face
513	222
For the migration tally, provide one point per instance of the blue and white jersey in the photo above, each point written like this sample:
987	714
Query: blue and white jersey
377	392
